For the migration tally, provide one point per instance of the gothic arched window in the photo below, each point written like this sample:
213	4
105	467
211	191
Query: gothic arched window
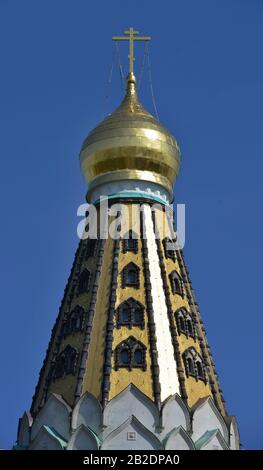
169	248
84	280
190	366
91	247
73	322
131	276
184	322
176	283
124	356
130	354
194	364
130	313
199	369
138	356
130	242
180	321
190	329
66	363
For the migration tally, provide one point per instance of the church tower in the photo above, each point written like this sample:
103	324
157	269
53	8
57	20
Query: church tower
128	365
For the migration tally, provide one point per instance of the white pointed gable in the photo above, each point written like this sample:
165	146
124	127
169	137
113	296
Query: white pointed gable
131	401
206	417
174	414
131	435
87	412
46	439
178	439
82	439
56	414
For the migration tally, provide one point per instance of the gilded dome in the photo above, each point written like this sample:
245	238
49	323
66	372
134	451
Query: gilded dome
130	144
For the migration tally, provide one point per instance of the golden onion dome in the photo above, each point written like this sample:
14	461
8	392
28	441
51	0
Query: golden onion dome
130	144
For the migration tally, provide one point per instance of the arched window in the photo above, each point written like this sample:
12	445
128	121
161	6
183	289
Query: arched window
169	248
131	276
84	280
138	356
138	315
180	321
91	247
66	363
190	329
73	321
130	354
130	313
124	356
199	369
130	242
194	365
176	283
124	317
184	322
190	366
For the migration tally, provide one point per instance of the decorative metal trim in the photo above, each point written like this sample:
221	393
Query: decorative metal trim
151	323
130	346
134	308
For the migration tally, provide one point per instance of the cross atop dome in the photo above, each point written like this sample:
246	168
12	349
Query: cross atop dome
131	36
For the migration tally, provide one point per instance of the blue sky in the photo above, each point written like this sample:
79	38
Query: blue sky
207	71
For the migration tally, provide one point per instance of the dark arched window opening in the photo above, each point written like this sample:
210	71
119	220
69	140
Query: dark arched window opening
130	313
176	283
73	321
184	322
84	280
138	316
190	328
66	363
200	371
138	356
169	248
180	323
194	365
130	242
130	354
190	366
125	315
131	276
91	247
124	356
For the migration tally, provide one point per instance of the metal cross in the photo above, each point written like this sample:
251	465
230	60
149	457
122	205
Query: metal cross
131	36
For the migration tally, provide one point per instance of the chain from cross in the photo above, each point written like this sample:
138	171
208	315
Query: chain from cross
131	37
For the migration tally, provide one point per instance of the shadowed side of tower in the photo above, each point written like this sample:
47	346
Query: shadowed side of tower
128	365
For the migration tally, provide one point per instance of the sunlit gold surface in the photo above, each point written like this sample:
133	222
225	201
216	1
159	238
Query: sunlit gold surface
131	144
